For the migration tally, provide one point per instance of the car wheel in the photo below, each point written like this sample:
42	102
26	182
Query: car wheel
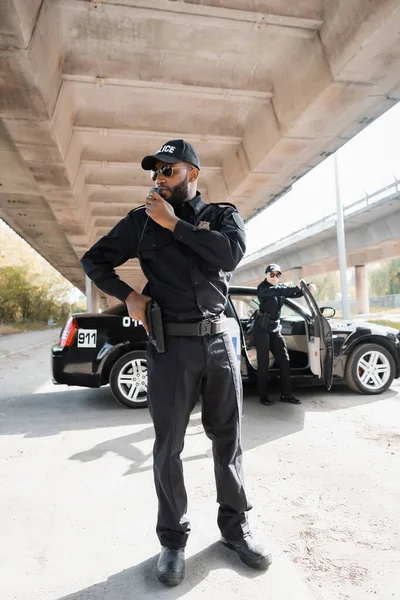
370	369
128	379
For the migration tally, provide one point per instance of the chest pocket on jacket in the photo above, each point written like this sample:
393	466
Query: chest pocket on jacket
153	241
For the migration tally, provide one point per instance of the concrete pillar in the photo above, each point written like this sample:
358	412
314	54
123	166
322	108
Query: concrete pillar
362	298
103	303
92	297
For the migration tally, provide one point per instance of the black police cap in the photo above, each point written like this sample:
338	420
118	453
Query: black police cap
272	268
172	152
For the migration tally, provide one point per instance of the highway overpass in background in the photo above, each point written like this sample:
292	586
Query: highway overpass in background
264	89
372	231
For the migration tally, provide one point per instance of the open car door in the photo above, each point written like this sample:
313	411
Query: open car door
320	346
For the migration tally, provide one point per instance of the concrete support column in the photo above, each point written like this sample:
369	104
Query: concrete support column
362	298
103	302
92	297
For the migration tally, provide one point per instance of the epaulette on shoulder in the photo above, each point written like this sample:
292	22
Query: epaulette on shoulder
137	213
223	204
137	208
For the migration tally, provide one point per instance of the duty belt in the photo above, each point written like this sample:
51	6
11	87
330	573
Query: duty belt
201	328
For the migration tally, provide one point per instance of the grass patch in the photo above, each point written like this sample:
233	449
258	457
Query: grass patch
9	328
379	309
386	322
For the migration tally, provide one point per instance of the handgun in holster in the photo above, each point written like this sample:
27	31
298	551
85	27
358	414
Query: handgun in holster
155	325
264	320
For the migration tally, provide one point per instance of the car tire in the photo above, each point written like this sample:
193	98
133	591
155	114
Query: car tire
370	369
128	379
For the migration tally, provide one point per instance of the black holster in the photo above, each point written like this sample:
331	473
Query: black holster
155	325
264	320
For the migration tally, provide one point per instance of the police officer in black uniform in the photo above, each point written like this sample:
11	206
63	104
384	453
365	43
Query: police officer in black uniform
267	333
187	250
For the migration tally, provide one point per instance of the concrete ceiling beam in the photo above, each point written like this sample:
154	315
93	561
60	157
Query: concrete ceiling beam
159	136
205	15
219	116
134	166
361	40
199	91
18	19
264	90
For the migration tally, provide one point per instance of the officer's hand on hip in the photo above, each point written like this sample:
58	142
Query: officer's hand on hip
160	211
136	304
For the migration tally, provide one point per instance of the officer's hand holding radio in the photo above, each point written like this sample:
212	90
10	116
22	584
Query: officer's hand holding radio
136	304
160	210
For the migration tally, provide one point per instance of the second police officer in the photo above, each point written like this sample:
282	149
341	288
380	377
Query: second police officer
267	333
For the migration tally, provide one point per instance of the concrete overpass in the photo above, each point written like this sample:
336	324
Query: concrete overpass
264	89
372	228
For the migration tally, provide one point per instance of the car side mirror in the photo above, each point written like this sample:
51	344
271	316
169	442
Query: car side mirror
328	311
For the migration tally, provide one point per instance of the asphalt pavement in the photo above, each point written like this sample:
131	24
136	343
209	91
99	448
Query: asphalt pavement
78	506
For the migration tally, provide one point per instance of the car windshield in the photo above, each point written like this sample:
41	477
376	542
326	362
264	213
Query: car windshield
246	304
297	307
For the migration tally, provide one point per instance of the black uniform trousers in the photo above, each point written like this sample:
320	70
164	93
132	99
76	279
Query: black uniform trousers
190	366
274	341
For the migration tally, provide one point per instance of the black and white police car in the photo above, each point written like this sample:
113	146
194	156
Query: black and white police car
97	349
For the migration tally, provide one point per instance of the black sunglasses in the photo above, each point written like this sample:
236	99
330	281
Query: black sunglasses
277	275
165	170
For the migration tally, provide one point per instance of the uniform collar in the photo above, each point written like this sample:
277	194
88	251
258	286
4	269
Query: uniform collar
197	203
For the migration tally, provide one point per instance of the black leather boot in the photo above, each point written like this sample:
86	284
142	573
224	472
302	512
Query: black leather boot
266	401
290	399
254	555
171	566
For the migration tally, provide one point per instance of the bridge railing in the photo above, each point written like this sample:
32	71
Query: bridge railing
365	202
370	199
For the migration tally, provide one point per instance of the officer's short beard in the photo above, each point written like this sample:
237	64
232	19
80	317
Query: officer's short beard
179	193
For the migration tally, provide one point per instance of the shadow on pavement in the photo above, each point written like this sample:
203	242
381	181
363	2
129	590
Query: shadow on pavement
45	414
124	446
263	424
138	581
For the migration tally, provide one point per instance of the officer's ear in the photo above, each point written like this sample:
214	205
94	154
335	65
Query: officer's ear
193	175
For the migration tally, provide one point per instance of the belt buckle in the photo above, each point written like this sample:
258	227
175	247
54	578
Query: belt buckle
205	327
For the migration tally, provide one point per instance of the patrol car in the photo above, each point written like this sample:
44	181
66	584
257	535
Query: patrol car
97	349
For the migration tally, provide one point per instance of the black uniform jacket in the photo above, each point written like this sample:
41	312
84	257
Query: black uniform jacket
272	297
187	270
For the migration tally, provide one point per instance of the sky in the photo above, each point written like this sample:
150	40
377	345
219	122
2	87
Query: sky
366	163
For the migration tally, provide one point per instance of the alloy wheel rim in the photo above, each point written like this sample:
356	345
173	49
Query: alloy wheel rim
132	380
373	370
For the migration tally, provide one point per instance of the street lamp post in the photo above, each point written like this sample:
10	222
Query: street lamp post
341	242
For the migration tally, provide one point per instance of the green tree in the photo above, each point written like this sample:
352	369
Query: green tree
384	279
394	276
23	298
328	286
30	288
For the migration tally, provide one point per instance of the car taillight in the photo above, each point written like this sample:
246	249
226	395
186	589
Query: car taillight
68	333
